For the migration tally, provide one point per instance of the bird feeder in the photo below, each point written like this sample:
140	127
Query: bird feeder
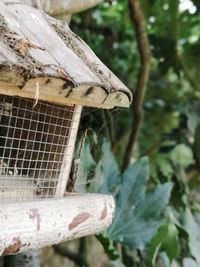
47	74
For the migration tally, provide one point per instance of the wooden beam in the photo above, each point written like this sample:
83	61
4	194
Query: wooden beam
36	224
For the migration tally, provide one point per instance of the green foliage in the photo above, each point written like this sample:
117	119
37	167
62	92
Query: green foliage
117	263
82	166
165	240
169	134
193	230
138	213
109	247
107	172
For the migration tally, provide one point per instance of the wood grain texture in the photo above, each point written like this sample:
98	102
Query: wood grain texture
59	7
36	48
35	224
69	153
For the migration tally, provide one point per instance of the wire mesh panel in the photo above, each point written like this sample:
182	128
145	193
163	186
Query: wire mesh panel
34	140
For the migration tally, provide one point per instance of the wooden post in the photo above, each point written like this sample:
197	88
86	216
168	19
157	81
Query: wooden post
62	180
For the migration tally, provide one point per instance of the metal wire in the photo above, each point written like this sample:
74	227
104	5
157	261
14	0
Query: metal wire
33	143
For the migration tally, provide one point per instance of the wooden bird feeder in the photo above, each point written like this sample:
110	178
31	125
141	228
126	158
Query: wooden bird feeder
47	74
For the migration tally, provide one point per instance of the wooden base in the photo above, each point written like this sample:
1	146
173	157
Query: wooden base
36	224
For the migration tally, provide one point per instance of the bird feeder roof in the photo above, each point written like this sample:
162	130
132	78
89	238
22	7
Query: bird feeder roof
41	58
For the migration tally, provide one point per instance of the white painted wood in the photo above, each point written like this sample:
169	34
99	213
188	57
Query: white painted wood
67	161
36	224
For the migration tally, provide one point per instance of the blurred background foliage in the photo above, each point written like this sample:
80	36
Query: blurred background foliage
157	220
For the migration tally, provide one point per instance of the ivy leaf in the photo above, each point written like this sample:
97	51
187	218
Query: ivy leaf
165	240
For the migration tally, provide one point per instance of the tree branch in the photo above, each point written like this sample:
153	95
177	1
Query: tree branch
139	23
192	172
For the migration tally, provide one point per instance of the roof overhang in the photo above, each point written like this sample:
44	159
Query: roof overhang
40	57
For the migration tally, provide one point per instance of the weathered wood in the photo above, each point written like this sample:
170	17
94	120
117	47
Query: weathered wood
35	224
6	89
35	48
60	7
67	161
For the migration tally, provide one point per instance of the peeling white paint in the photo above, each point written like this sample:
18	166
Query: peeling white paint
36	224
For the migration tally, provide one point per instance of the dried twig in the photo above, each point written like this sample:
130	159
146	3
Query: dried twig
77	161
138	20
78	258
37	94
23	46
63	74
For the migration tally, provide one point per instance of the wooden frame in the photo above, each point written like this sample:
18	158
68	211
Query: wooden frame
64	176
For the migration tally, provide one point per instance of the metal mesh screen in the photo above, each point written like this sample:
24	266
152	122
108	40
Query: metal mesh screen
33	143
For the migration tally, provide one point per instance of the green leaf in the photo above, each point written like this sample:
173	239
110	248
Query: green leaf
108	246
189	262
161	162
165	240
193	230
193	121
117	263
133	180
107	177
85	164
182	155
138	214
